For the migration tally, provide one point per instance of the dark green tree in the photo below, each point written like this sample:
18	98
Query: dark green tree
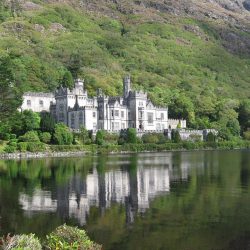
176	136
131	135
10	95
67	80
30	121
47	123
244	115
100	137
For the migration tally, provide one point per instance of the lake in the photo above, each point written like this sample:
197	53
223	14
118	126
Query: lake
171	200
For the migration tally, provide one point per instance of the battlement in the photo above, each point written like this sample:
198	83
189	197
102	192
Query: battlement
39	94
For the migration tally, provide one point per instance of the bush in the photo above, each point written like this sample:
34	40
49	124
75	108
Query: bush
211	137
30	136
22	146
176	136
65	237
62	135
18	242
9	149
131	135
100	137
45	137
246	135
36	147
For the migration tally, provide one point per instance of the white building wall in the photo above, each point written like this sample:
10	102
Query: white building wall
37	102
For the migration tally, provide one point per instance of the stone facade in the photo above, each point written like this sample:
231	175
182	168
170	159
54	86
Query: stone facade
74	108
37	102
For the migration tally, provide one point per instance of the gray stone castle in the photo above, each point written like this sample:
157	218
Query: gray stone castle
74	108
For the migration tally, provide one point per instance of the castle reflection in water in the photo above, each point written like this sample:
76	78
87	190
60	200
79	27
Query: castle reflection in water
133	189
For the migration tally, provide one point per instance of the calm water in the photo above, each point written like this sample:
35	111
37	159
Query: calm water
180	200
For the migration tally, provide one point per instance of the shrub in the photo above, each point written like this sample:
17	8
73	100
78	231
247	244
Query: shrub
47	123
246	135
100	137
84	136
45	137
195	137
29	242
22	146
131	135
65	237
211	137
62	135
176	136
150	138
9	149
30	136
36	147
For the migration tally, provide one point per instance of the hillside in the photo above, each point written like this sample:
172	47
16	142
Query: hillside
191	55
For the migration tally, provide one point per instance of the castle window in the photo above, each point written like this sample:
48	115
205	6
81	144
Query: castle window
150	118
123	125
112	113
122	114
94	114
115	126
41	103
116	113
140	115
28	102
162	116
140	103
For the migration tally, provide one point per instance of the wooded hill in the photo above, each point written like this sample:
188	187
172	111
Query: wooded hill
193	56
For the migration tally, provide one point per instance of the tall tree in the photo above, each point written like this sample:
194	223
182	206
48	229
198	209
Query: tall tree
10	94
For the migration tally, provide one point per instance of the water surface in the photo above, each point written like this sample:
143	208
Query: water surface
180	200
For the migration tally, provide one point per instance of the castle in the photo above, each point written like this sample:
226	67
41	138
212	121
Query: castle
74	108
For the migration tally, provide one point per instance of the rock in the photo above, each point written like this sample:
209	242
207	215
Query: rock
57	27
40	28
31	6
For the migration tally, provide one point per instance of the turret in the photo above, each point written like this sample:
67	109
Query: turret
126	86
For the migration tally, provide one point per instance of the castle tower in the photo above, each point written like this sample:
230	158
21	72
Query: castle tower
126	86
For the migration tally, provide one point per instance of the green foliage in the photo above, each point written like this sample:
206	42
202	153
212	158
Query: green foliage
84	136
175	135
45	137
47	123
244	114
23	242
246	135
211	137
154	138
65	237
195	138
67	80
22	146
36	147
30	121
10	95
30	136
62	135
131	135
100	137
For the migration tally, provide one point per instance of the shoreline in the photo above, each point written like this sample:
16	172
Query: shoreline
68	154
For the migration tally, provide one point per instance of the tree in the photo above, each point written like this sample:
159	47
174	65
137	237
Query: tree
244	114
84	136
47	123
176	136
63	135
30	120
210	137
100	137
10	95
131	135
67	80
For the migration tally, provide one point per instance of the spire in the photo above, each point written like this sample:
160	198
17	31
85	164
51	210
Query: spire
126	85
76	107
